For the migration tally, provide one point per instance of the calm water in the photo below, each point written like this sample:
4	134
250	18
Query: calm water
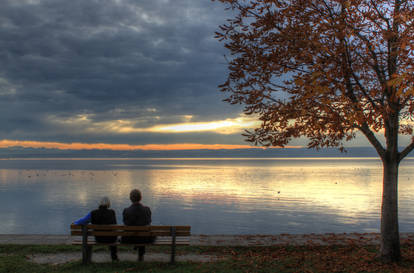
214	196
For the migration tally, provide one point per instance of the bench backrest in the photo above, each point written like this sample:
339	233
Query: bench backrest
138	231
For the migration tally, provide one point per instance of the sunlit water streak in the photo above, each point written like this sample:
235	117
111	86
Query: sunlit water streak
214	196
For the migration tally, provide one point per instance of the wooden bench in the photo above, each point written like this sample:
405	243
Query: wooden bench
166	235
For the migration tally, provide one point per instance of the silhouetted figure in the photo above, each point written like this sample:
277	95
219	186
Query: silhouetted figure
137	215
102	216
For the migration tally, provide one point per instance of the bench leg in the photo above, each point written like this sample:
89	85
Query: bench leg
86	250
172	254
89	254
86	254
173	235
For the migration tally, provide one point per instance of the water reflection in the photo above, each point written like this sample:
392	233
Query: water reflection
214	196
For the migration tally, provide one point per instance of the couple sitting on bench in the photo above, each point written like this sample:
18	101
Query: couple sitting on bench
135	215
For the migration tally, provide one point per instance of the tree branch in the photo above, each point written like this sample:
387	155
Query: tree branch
406	151
372	139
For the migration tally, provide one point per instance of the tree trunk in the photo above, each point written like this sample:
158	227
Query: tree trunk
390	237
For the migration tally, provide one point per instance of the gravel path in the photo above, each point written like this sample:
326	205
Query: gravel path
102	257
201	240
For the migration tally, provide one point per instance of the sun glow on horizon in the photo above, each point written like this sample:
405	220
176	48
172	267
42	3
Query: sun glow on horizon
227	126
123	147
130	126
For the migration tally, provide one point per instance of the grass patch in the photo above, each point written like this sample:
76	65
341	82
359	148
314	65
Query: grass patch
349	258
29	249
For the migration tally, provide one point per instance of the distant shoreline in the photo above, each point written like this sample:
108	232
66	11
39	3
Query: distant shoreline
17	152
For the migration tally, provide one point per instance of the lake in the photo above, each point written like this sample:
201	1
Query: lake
213	195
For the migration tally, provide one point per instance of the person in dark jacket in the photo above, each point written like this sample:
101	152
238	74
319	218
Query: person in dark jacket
137	215
102	216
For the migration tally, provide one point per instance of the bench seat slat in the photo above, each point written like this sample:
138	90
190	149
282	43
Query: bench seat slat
158	239
128	233
166	241
137	228
120	230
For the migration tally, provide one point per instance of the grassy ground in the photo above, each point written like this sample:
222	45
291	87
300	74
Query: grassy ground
350	258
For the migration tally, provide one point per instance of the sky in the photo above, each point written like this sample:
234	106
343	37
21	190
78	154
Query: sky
117	74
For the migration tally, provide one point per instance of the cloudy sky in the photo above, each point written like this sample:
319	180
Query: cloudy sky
125	72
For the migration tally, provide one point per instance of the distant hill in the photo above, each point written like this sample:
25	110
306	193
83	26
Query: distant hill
17	152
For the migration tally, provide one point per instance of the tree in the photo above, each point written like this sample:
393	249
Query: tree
326	69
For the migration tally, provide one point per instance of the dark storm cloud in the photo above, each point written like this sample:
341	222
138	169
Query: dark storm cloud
150	61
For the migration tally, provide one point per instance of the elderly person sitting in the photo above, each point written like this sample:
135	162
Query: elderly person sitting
102	216
137	215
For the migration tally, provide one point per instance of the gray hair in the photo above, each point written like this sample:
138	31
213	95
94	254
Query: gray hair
105	202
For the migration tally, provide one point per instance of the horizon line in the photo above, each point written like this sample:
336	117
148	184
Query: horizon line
6	143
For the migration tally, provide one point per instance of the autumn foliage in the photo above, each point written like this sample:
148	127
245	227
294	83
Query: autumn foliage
320	69
325	70
347	258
